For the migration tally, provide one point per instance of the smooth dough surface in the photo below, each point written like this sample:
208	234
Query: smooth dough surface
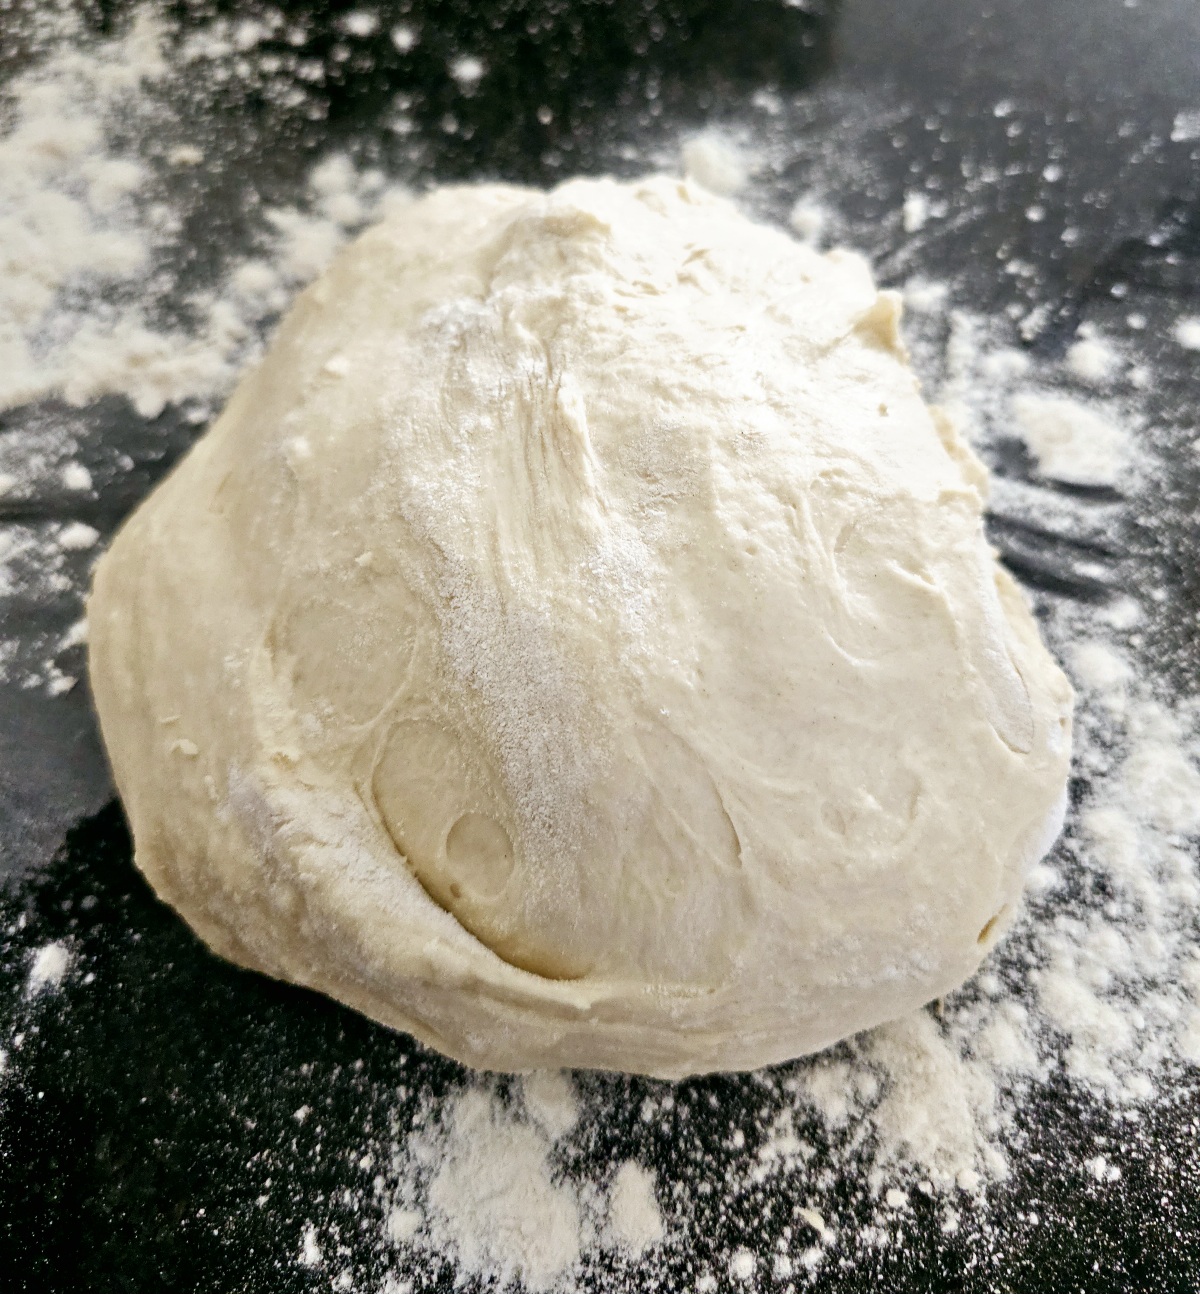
576	644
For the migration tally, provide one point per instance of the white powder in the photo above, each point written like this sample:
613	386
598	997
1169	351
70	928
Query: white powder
1098	668
550	1102
944	1137
534	701
77	219
742	1265
1071	441
76	535
924	297
403	1224
807	220
487	1185
1187	332
404	37
716	162
83	234
510	1180
467	71
1186	127
75	476
634	1222
361	23
310	1249
48	968
914	213
65	215
1092	360
492	1200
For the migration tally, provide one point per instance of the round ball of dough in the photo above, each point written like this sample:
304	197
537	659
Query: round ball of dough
576	644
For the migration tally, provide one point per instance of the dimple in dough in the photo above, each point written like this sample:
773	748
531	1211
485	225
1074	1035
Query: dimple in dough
576	644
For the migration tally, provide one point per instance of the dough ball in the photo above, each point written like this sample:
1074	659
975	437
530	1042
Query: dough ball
576	644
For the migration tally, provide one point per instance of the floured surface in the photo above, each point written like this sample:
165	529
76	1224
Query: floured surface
1057	1131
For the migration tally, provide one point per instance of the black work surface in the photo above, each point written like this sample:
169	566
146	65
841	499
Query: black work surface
138	1119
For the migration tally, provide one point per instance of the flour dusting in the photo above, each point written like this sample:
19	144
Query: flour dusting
88	233
50	965
1094	993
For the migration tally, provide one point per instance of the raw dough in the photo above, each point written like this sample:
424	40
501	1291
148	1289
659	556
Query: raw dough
576	644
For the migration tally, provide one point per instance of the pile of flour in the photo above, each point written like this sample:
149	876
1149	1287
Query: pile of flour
1097	987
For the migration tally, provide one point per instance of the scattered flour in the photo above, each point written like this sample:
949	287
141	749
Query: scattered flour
550	1102
488	1186
50	965
76	535
360	23
1186	127
1097	985
924	297
85	235
492	1199
71	223
634	1222
1092	360
310	1249
715	162
807	220
742	1265
404	37
468	71
914	213
1070	440
1187	332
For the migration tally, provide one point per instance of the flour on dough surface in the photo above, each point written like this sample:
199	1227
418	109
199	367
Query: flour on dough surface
590	651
